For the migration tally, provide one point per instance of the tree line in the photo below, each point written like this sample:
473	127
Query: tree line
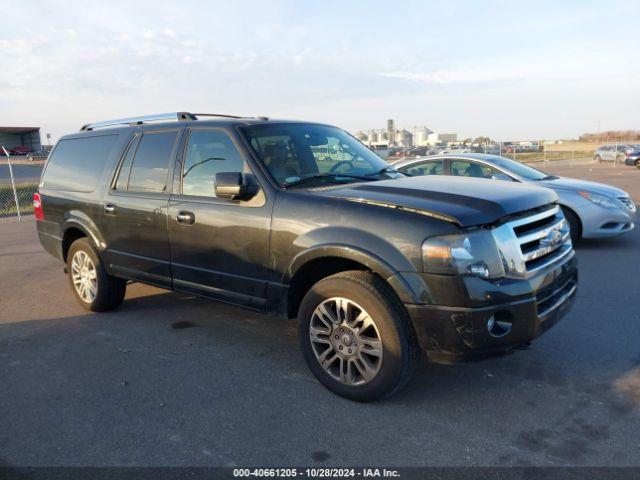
611	136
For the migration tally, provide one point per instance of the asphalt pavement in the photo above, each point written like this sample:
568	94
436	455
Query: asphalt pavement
22	173
173	380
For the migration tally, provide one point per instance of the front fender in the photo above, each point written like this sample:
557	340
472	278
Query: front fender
373	252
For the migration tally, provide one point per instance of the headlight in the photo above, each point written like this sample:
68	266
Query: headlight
600	200
474	253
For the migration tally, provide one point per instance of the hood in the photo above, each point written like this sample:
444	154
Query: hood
564	183
465	201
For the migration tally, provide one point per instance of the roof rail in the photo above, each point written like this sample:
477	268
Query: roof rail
179	116
215	115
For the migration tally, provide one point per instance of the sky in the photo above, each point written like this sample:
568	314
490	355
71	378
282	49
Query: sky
504	69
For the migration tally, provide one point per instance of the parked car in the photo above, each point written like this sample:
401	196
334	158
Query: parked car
418	151
633	158
491	149
21	150
376	266
456	149
592	209
38	155
612	153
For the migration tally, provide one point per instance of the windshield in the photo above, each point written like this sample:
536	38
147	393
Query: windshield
301	151
520	169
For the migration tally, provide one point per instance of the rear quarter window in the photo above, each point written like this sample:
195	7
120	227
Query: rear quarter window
76	163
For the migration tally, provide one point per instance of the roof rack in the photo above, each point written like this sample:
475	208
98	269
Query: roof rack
179	116
215	115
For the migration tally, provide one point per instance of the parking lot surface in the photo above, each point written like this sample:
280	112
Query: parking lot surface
173	380
21	174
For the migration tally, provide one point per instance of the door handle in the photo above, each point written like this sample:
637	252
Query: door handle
187	218
110	208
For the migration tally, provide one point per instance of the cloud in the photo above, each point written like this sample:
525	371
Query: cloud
292	60
503	71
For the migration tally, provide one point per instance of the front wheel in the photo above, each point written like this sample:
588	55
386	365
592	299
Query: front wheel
575	227
94	288
598	159
356	336
637	163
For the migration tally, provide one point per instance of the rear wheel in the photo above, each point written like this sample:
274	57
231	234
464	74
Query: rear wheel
575	227
94	288
637	164
356	336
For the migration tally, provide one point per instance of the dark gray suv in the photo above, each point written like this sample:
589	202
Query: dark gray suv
301	219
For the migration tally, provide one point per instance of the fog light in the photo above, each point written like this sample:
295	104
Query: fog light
499	324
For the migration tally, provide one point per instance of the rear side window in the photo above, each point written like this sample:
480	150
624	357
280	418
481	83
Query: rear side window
426	168
125	168
148	170
76	163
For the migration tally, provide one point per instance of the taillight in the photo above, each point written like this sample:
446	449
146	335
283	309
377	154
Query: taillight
37	207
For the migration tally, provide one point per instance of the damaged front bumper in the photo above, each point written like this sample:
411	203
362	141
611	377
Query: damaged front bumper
451	334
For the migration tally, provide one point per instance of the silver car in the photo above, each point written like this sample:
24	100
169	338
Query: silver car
613	153
593	210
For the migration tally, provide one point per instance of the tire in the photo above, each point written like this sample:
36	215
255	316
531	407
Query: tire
358	376
101	291
637	163
575	226
598	159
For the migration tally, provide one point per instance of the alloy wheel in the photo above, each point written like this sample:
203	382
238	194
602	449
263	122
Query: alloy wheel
346	341
84	277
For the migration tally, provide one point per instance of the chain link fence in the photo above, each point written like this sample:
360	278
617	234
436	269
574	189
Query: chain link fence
19	179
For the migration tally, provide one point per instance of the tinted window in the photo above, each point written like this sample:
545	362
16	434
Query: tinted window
125	167
151	161
425	168
76	163
208	152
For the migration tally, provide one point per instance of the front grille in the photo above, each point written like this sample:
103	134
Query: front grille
529	244
627	202
543	238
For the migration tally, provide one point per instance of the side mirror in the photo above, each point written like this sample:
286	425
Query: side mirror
232	186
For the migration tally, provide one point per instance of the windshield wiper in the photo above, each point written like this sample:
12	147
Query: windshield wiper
548	177
384	170
302	180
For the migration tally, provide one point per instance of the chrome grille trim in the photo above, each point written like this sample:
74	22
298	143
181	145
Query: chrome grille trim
545	243
541	232
534	218
562	252
540	252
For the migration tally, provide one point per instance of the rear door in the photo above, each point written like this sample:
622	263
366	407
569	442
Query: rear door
219	247
609	153
135	209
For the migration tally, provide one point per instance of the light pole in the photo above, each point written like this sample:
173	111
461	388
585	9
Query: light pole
49	139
